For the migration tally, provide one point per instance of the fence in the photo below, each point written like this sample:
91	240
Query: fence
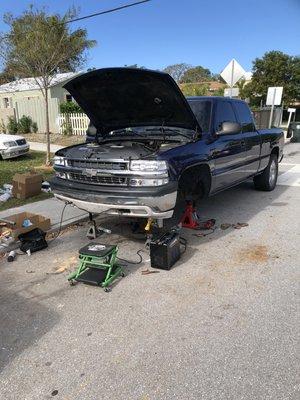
73	124
262	117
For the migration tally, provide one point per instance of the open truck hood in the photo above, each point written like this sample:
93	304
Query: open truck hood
116	98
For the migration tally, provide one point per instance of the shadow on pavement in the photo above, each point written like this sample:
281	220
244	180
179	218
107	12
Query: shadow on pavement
23	322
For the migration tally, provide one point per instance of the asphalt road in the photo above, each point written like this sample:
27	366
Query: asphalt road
222	324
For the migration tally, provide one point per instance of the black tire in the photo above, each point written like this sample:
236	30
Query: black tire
267	180
195	187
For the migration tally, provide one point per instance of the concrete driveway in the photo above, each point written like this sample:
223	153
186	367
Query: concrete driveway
222	324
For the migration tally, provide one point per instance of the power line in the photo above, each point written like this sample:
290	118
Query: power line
106	11
95	14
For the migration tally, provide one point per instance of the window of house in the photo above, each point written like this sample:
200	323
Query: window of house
6	102
69	98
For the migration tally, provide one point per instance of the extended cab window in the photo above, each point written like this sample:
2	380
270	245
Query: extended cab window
244	116
202	111
224	113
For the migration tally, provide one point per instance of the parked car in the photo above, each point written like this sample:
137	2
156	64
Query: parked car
12	146
293	131
149	145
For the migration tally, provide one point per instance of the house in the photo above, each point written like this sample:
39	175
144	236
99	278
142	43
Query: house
24	97
28	88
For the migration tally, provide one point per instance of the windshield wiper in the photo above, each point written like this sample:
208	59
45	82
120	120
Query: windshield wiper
128	132
176	132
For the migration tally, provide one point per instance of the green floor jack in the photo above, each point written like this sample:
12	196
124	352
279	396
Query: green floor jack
97	266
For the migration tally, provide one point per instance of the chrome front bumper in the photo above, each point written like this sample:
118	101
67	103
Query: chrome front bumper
156	207
15	151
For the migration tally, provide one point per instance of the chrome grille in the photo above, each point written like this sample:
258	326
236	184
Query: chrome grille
97	164
98	180
20	142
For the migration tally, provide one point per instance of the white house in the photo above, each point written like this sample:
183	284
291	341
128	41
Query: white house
24	97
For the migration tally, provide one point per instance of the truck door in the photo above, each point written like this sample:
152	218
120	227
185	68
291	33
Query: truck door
251	137
228	151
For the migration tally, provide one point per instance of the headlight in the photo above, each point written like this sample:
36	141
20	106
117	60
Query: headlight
61	175
58	160
148	182
10	144
148	166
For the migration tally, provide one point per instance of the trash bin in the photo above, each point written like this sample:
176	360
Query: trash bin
294	131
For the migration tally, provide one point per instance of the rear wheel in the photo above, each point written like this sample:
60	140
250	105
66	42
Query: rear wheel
268	178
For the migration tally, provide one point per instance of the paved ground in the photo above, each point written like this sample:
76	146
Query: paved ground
222	324
43	146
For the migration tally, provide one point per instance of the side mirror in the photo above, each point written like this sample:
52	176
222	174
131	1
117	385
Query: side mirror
228	128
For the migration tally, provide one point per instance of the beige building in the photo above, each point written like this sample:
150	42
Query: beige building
24	97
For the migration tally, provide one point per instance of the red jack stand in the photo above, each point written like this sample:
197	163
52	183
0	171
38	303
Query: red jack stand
190	219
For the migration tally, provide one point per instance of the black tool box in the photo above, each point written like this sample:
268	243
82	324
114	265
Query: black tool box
165	251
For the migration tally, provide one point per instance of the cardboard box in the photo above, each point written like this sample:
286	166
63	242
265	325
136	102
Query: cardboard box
26	185
38	221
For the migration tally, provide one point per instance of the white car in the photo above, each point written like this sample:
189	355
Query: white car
12	146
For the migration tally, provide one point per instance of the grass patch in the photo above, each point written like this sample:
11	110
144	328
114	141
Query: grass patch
34	160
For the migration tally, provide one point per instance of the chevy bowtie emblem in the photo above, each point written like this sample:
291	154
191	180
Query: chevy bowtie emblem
93	172
90	172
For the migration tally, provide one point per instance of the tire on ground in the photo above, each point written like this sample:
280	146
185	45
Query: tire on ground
194	183
267	180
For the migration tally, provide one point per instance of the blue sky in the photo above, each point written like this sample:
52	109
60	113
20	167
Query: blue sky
199	32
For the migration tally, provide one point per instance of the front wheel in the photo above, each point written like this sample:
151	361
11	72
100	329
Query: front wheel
267	180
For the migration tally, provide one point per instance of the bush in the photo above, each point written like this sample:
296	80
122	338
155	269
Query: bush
67	127
69	107
34	127
25	124
12	125
2	126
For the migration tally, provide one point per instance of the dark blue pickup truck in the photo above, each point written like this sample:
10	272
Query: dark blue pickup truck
148	145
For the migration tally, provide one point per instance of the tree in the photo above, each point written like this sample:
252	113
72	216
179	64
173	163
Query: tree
217	78
134	66
196	74
6	77
40	45
241	84
274	69
177	70
219	92
194	89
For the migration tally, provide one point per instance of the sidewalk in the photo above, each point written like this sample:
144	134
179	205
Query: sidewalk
43	147
51	208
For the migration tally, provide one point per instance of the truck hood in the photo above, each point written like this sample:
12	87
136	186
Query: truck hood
116	98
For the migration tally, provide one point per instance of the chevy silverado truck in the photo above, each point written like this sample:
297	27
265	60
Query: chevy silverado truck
148	145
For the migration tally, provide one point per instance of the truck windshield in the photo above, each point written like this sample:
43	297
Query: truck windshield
202	111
